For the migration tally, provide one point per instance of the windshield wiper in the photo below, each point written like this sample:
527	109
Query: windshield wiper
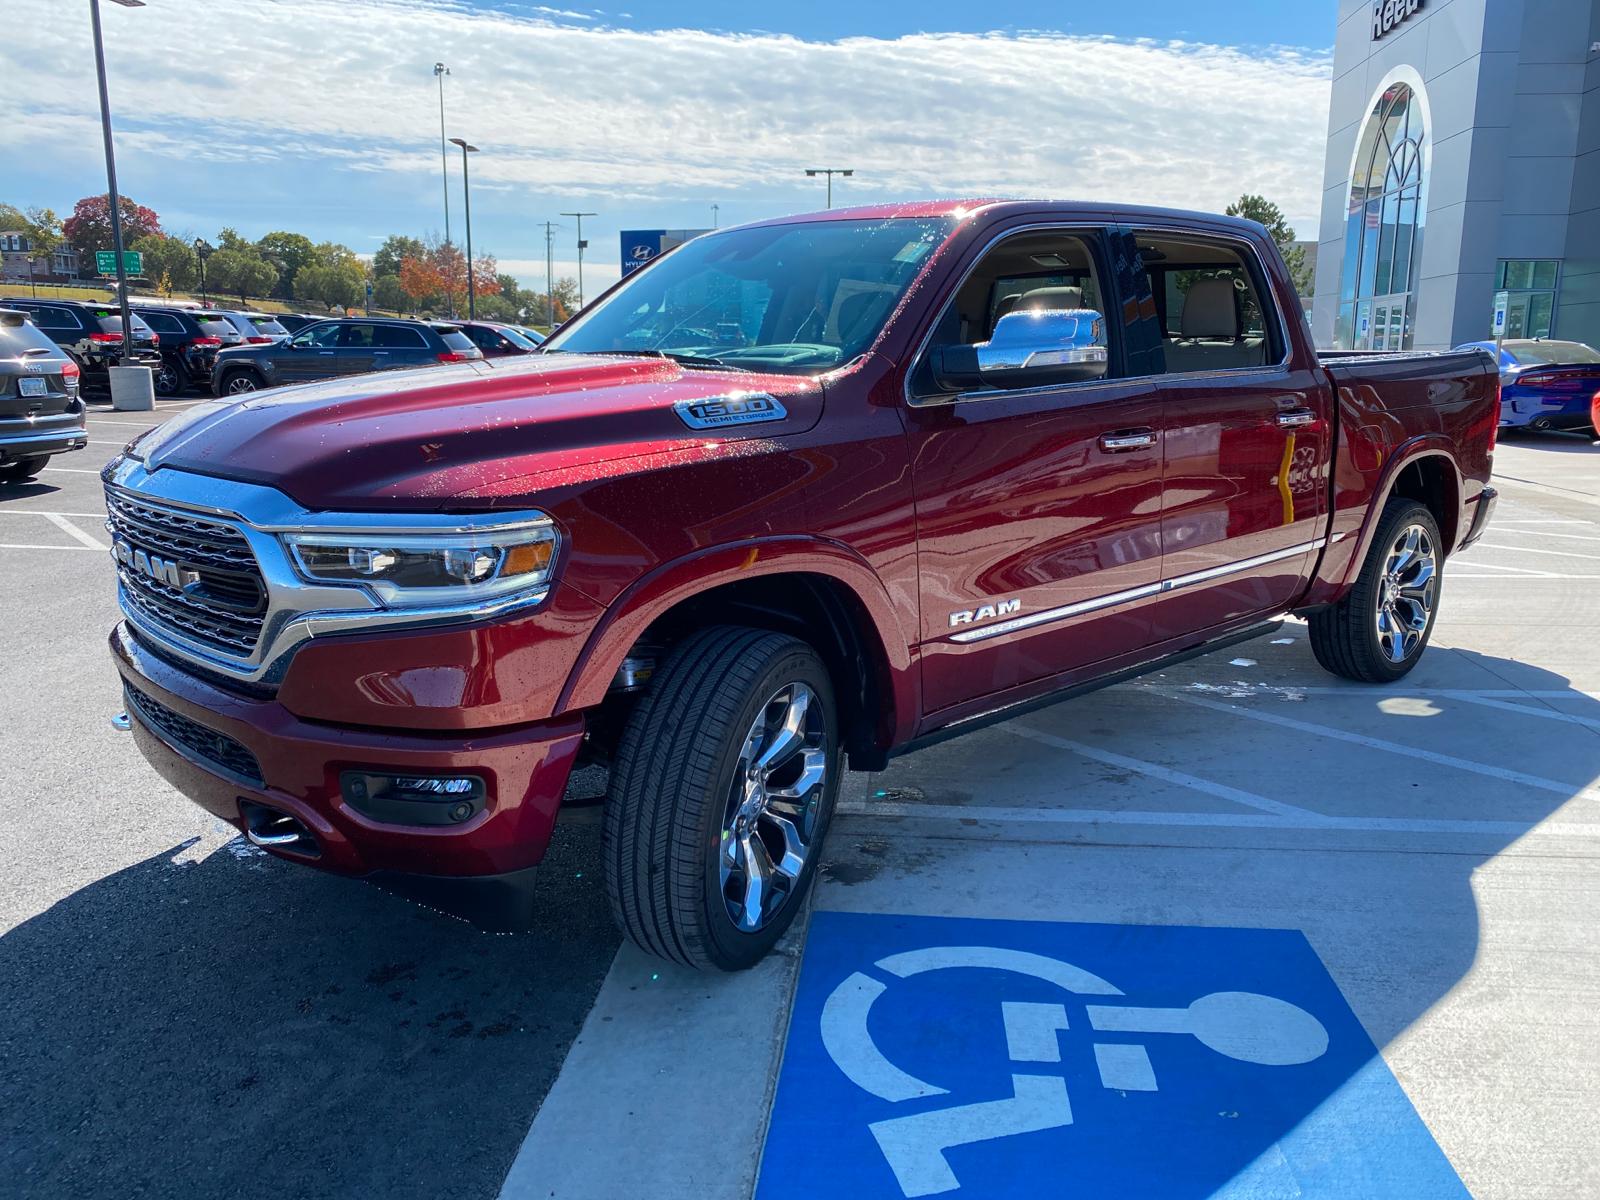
687	360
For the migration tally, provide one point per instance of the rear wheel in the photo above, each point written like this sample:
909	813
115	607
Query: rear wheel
720	797
23	468
170	377
1378	632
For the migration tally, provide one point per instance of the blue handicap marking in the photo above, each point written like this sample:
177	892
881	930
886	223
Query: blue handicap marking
930	1056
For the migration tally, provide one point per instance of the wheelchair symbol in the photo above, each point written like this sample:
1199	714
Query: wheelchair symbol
1241	1025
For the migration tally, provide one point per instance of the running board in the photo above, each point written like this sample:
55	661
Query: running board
1023	707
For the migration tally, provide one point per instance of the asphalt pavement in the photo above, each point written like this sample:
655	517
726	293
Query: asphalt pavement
181	1014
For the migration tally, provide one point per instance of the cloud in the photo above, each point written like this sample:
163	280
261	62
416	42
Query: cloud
563	104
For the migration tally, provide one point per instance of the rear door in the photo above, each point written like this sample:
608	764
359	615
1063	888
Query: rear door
1245	434
398	346
1038	508
356	349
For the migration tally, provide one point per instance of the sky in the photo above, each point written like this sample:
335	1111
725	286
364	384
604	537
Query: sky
322	116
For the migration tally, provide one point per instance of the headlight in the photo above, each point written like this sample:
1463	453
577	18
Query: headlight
419	569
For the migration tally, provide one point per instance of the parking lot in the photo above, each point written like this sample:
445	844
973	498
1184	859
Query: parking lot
184	1015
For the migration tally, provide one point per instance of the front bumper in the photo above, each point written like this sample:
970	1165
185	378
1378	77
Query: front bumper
278	762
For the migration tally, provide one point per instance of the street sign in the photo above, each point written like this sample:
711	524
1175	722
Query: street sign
105	262
639	246
1000	1059
1502	307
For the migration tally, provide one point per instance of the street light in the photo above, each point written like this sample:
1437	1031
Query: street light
439	72
581	245
111	173
466	193
715	209
830	172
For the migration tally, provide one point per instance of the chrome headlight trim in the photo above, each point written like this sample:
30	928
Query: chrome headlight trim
297	609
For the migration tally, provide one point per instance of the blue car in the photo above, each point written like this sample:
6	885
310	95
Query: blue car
1545	384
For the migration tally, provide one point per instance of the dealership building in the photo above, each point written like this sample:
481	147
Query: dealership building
1462	174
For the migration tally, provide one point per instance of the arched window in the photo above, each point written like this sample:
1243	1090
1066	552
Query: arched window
1383	229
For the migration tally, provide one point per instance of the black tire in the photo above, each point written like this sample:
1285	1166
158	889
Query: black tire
171	377
240	381
23	468
676	784
1345	636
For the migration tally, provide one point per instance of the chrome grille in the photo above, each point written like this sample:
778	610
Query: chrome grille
223	607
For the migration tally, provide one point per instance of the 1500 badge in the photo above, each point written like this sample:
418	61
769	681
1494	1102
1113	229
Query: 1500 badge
736	408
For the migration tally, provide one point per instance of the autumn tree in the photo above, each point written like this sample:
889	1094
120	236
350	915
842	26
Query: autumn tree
439	276
169	257
88	229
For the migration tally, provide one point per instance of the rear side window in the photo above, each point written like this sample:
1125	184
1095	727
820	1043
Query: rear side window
269	326
1212	306
216	327
47	316
357	337
455	340
397	337
163	322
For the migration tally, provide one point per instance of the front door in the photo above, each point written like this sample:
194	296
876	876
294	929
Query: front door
309	354
1038	507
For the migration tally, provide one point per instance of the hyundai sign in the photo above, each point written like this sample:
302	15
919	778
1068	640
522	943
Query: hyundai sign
639	246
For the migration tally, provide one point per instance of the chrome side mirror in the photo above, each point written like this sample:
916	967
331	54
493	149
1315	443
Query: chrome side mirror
1029	348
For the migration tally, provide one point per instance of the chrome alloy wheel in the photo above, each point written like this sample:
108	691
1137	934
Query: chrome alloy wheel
1406	593
241	383
773	804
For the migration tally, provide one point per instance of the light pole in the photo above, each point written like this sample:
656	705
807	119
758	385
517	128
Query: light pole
714	211
549	283
202	251
466	194
439	72
830	172
111	173
581	245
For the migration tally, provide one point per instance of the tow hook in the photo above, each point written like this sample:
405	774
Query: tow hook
121	722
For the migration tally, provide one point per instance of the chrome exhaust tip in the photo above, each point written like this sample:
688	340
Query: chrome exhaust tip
273	830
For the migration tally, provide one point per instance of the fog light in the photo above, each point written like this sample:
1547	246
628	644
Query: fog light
405	799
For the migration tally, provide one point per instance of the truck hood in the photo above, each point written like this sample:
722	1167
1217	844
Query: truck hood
416	439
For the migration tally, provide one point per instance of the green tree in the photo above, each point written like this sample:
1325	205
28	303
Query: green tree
340	286
230	239
244	273
1265	212
167	256
387	294
288	252
395	250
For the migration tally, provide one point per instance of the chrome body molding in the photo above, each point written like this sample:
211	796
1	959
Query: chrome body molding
1046	616
297	610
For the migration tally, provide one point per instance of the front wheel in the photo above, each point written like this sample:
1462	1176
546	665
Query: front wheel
1377	633
720	797
240	382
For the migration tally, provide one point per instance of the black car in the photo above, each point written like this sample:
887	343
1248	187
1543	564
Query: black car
257	328
190	340
91	334
499	340
344	346
40	411
295	322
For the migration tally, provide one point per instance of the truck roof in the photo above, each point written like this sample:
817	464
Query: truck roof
992	205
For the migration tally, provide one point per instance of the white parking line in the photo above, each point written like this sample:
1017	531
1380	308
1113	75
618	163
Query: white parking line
29	546
1541	577
41	512
1532	550
1568	537
1315	821
129	424
68	527
70	470
1156	771
1537	782
1545	714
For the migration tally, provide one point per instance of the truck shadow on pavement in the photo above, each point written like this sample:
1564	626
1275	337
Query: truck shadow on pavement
238	1026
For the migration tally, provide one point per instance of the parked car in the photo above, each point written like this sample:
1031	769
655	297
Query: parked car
533	335
41	413
256	328
295	322
342	346
91	333
968	457
498	340
1545	384
190	341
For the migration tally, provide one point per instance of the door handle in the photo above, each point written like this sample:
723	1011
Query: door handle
1291	418
1131	439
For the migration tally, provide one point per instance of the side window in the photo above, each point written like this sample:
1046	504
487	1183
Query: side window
395	337
1211	304
323	337
1031	313
357	337
162	322
56	318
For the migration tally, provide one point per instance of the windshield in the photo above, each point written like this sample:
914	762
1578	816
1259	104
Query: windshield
516	338
1539	354
268	325
801	298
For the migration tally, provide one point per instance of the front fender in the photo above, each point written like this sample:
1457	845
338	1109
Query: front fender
670	584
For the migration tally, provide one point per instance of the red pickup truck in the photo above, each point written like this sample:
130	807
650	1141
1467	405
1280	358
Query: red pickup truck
823	488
